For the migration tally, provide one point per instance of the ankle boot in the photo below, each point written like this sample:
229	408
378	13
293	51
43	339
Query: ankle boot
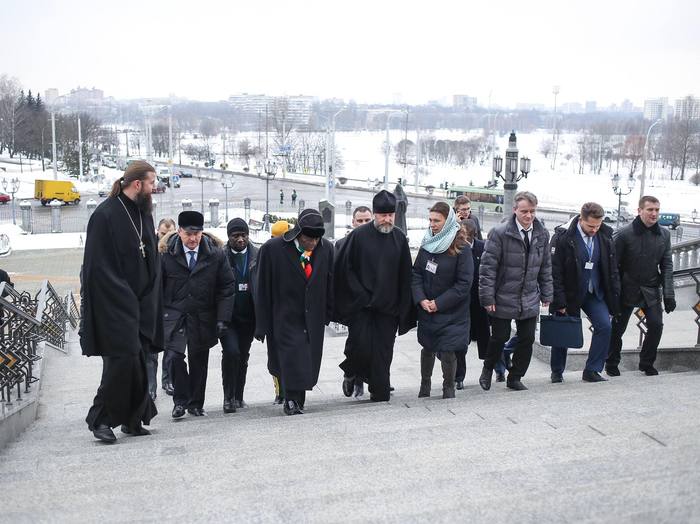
427	361
448	359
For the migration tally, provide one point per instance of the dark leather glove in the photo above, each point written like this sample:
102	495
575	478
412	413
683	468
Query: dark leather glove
669	304
221	328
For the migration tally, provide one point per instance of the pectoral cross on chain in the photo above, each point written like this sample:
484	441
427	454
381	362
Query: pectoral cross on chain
142	247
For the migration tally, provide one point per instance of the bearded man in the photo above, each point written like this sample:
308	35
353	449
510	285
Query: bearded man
121	302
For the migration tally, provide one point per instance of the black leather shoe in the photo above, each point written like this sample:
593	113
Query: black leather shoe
500	377
240	404
459	384
485	378
515	385
391	388
291	407
229	406
140	431
613	371
348	386
556	377
104	433
178	411
278	400
197	412
649	371
169	389
592	376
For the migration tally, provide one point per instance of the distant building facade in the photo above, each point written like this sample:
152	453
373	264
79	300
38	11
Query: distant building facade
687	108
656	108
464	101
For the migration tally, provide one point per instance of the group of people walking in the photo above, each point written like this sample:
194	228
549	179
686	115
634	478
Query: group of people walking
184	291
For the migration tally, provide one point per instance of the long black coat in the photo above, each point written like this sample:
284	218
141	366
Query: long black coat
479	326
194	301
244	316
645	263
566	269
292	311
121	298
450	286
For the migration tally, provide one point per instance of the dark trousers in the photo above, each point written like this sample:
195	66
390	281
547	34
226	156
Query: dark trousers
655	327
122	397
152	370
482	344
522	353
189	387
235	352
370	350
597	311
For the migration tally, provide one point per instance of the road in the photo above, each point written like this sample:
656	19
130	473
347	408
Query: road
74	218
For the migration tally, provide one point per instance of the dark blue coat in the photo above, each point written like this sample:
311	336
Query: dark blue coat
450	287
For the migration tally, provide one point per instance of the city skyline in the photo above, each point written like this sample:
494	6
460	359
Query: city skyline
504	55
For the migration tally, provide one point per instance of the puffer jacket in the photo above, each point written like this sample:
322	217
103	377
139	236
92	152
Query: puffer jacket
645	262
510	278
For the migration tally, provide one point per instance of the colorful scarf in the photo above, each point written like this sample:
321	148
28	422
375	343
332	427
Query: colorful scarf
305	259
443	240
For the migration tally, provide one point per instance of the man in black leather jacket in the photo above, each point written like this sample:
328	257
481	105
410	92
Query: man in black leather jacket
646	273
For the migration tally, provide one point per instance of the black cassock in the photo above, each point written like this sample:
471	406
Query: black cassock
121	305
373	298
292	312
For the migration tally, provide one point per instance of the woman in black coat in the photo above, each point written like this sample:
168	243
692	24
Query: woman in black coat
441	286
479	330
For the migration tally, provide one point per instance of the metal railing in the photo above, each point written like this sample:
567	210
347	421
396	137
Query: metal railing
25	321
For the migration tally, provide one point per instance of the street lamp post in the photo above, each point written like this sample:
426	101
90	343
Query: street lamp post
511	176
642	179
270	170
226	182
619	191
11	186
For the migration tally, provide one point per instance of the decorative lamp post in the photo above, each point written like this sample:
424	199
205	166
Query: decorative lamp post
226	182
270	169
619	190
12	187
511	176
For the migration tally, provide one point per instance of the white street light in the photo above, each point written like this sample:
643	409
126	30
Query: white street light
642	179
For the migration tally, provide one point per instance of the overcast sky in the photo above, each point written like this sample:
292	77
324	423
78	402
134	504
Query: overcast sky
369	51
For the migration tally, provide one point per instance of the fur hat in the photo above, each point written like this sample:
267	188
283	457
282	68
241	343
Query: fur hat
191	220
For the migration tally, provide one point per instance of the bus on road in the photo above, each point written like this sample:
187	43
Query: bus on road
490	198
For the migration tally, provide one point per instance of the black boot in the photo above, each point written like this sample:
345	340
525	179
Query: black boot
448	360
427	361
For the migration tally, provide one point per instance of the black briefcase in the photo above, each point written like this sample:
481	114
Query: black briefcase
561	331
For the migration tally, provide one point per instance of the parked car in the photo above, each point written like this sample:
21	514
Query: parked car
185	174
159	187
103	191
672	220
610	216
4	198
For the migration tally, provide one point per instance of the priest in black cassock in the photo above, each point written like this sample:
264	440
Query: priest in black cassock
373	297
121	303
293	303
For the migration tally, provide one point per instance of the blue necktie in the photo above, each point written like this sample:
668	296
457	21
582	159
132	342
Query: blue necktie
192	260
589	247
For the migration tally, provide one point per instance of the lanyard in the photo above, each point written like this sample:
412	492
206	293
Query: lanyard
245	265
589	247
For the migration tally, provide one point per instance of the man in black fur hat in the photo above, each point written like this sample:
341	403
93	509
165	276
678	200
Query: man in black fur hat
293	303
373	297
197	305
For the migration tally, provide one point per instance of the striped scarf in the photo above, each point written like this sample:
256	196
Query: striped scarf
443	240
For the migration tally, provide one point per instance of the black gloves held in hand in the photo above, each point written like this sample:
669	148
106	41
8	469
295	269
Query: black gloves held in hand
669	304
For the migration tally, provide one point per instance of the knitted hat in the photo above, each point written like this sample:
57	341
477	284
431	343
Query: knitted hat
279	228
384	202
237	225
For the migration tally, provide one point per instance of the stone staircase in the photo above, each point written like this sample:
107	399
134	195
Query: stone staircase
625	450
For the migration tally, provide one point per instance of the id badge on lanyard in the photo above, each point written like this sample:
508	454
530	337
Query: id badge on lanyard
431	266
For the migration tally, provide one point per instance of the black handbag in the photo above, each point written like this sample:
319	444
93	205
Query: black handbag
561	331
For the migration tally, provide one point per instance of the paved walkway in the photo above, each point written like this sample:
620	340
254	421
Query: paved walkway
625	450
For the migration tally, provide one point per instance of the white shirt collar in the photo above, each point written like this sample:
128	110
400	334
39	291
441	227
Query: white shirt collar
187	250
239	252
521	227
